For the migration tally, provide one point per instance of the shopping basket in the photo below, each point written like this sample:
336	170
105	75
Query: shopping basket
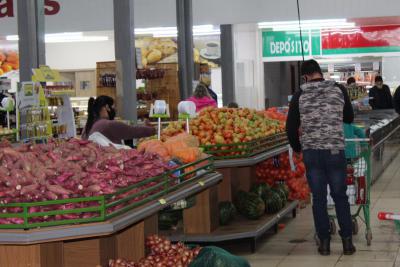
390	216
358	155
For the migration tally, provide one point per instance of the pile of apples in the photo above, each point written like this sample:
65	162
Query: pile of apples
227	126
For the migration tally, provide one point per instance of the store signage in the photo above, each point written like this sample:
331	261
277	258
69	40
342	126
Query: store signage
362	40
51	7
278	44
45	74
286	45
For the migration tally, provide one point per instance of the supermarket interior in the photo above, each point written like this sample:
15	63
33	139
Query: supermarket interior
199	133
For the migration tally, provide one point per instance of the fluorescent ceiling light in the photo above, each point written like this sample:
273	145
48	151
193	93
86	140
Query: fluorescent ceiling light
198	30
306	24
66	37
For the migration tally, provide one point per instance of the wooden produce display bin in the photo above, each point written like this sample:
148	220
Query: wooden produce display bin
201	222
93	244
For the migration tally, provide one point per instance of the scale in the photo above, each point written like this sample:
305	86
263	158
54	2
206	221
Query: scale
159	110
187	110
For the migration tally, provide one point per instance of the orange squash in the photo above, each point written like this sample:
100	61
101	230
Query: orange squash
190	140
155	147
143	145
187	155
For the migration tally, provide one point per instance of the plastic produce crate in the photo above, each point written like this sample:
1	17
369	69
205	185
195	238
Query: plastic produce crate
104	207
246	149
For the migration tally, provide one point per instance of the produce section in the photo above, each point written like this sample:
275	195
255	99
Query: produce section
238	139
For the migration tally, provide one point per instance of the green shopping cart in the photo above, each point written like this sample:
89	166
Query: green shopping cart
358	155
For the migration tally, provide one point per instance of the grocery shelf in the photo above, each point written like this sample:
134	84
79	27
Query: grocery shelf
239	228
49	234
243	162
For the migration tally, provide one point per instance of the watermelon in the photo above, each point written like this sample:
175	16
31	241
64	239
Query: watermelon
284	188
168	219
273	203
281	193
250	205
262	189
227	212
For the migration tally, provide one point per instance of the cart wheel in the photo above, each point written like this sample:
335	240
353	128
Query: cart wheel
355	226
316	239
368	236
332	229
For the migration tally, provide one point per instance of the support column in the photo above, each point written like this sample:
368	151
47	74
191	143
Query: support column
227	64
184	21
124	35
31	36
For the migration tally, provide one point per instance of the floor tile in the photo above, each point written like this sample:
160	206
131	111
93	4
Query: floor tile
371	256
363	264
311	262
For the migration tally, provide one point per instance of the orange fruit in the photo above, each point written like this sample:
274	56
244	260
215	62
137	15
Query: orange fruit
6	67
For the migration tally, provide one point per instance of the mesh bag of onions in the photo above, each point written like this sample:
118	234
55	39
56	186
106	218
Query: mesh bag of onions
217	257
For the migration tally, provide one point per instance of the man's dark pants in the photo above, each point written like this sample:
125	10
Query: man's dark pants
325	167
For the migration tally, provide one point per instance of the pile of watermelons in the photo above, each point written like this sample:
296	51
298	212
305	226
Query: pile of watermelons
274	198
250	205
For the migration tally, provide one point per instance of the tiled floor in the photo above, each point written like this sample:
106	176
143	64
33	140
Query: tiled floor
277	250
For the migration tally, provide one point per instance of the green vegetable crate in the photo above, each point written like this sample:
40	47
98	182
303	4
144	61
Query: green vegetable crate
246	149
104	207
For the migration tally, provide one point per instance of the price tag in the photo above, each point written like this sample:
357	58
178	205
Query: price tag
357	67
201	183
331	68
162	201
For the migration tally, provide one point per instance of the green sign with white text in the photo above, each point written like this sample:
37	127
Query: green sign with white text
280	44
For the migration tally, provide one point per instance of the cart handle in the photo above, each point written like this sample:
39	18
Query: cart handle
388	216
358	139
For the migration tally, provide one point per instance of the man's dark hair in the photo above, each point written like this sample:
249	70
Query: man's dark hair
378	79
310	67
351	80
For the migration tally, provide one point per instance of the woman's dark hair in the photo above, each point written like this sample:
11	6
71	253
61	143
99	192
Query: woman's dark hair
310	67
201	91
351	80
378	79
233	105
94	108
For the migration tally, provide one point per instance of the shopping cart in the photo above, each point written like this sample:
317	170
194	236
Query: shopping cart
390	216
358	155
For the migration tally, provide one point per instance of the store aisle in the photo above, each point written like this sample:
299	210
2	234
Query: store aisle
295	246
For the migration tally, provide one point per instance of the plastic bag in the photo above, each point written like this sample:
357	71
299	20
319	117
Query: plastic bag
101	140
217	257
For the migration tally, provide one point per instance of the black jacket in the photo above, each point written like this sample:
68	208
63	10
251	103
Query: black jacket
382	98
396	100
293	121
